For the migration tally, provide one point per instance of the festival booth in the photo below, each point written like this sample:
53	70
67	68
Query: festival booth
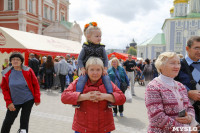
121	56
26	43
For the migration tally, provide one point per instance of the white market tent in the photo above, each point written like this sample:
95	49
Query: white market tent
25	42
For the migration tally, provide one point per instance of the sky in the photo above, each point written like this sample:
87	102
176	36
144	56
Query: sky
122	20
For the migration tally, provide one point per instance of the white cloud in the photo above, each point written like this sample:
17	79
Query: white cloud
135	19
127	10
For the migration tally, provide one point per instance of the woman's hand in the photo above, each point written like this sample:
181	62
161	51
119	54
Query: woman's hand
83	71
36	104
105	96
96	96
92	96
184	120
11	107
193	131
100	96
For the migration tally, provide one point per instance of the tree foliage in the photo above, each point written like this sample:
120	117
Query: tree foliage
132	51
112	50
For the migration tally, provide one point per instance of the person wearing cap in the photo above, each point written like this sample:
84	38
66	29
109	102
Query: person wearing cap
21	90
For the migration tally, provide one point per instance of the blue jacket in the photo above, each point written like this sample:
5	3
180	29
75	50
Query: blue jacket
185	76
122	74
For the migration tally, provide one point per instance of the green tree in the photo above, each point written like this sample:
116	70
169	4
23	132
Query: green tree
112	50
132	51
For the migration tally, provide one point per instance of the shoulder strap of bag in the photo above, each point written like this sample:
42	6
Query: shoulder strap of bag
117	76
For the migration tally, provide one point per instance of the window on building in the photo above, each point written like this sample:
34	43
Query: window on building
45	12
192	33
179	23
51	14
199	24
178	38
62	17
157	54
181	13
186	10
141	55
193	23
30	6
10	4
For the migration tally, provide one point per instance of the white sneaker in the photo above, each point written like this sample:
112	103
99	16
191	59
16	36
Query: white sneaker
22	131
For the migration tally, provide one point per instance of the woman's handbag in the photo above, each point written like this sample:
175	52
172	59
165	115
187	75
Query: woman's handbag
123	86
128	96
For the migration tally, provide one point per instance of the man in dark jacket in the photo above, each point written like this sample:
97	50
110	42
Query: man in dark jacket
189	74
34	64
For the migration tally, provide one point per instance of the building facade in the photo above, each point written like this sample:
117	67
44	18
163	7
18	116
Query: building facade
65	30
184	23
33	15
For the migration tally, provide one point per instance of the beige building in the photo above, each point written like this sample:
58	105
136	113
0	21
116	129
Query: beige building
64	30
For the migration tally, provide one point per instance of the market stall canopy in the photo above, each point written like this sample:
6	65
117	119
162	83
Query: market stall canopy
14	40
121	56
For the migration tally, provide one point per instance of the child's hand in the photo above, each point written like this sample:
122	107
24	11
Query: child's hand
105	72
83	71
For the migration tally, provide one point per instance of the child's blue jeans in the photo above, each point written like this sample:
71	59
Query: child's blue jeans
83	79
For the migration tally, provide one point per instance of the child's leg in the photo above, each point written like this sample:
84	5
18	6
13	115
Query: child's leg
81	83
107	82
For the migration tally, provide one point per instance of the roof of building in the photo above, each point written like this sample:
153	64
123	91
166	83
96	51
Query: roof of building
193	15
172	10
180	1
190	15
67	24
158	39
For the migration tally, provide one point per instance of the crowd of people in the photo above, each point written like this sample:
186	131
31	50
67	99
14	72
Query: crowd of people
95	85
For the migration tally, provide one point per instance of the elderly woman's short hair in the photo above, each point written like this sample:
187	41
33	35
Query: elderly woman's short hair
18	55
163	58
94	61
115	59
44	57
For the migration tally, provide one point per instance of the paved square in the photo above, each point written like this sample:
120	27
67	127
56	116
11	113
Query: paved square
51	116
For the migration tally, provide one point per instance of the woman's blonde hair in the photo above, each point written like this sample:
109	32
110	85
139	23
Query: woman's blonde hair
94	61
115	59
163	58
